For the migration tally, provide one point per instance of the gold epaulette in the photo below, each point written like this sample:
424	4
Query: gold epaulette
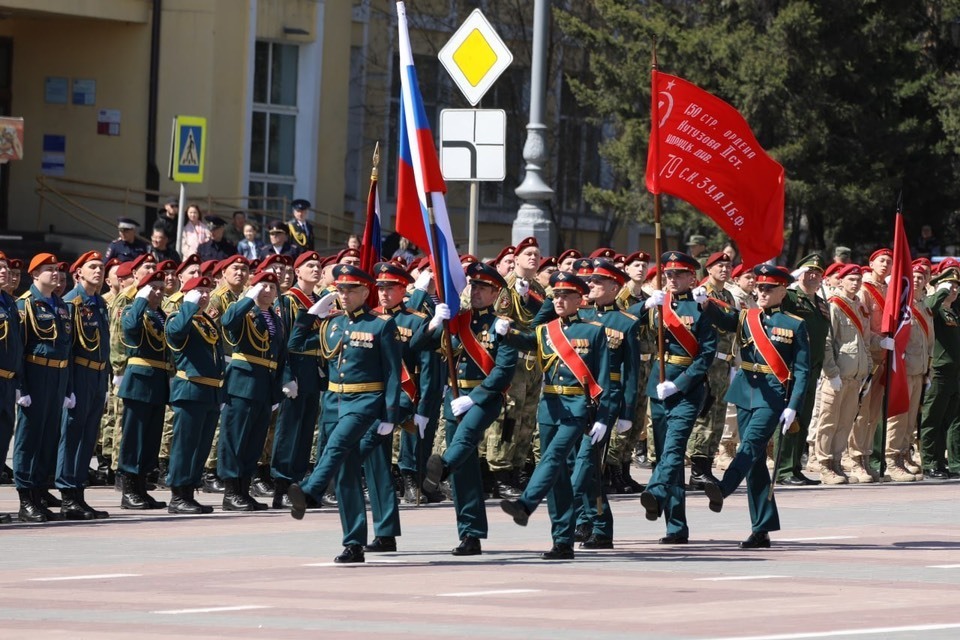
629	315
26	295
419	314
594	323
795	317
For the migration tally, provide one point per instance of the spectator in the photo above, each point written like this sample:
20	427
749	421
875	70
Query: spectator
234	233
353	242
407	251
251	244
928	245
160	243
195	232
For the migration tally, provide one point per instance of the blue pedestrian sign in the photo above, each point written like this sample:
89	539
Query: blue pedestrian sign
188	149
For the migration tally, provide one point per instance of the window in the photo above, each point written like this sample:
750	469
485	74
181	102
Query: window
273	135
578	161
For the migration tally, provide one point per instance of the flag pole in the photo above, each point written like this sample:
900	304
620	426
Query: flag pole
372	299
657	238
438	279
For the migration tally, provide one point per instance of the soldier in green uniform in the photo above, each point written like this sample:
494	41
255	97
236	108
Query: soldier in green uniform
257	340
363	354
89	380
47	336
195	393
485	367
145	390
690	343
805	302
705	438
577	405
11	362
769	389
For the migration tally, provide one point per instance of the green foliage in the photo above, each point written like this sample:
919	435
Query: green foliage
857	99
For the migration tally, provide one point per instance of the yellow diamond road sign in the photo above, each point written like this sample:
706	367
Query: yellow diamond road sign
475	57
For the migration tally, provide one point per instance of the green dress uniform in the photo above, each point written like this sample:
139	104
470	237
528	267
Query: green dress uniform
11	368
48	338
941	402
363	354
221	299
760	398
113	424
89	380
145	391
674	416
195	394
252	385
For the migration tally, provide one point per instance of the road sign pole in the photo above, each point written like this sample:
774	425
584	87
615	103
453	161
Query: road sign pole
474	204
180	215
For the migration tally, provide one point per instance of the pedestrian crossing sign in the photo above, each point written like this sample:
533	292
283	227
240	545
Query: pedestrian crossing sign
188	149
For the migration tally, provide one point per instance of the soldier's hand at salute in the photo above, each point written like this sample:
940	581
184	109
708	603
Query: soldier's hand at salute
254	291
423	280
322	307
192	296
655	299
501	326
144	292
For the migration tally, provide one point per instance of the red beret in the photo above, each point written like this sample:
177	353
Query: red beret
196	283
111	263
508	250
347	253
89	256
325	262
919	267
850	270
62	266
226	262
166	265
569	253
156	276
192	259
307	256
15	263
948	263
139	260
603	252
468	258
880	252
270	261
833	268
125	270
637	256
206	268
265	276
547	262
527	242
715	258
42	259
737	271
924	261
651	274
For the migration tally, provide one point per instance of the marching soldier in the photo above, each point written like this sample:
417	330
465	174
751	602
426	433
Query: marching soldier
577	405
145	390
768	390
48	336
11	362
548	267
690	344
258	341
195	393
89	384
485	366
506	260
300	229
363	354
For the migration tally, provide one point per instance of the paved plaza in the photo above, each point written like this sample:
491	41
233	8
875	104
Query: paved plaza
861	561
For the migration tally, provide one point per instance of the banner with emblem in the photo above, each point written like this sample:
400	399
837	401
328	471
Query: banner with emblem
897	318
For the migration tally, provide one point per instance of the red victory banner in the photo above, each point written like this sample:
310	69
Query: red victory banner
702	151
897	317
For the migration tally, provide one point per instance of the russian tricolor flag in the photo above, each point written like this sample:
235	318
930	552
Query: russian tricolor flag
420	184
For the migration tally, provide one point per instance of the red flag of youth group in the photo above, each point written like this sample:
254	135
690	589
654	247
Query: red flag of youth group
897	316
702	151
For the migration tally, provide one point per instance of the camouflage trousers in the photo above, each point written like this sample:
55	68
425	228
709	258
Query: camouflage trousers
705	437
623	444
167	437
107	446
523	400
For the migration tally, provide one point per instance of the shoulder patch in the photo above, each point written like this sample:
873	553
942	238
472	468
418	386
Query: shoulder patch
794	316
26	295
419	314
629	315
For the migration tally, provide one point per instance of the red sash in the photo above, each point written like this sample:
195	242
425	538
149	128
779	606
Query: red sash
407	384
874	292
679	330
572	359
848	310
765	346
471	345
301	297
922	321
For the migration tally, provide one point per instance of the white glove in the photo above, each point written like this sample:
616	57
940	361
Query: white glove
106	398
385	428
666	389
522	286
624	425
796	273
655	299
144	292
786	419
699	295
117	381
421	422
733	374
944	285
322	307
254	291
16	396
835	383
423	280
887	343
926	385
290	389
461	405
597	431
24	401
886	280
501	326
70	401
275	407
192	296
440	313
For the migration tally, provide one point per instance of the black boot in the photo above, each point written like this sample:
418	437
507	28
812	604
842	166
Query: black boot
631	485
617	485
152	503
71	508
505	489
212	483
410	493
582	532
262	486
245	492
469	546
183	502
97	514
233	499
48	500
486	478
163	466
700	473
30	509
559	551
436	473
131	493
280	499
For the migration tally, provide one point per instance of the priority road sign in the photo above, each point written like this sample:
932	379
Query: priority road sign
188	149
475	56
473	144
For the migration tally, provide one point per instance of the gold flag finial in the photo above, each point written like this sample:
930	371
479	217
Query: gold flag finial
376	162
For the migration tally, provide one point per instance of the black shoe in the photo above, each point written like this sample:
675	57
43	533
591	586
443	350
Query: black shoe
616	485
30	510
445	490
212	483
597	542
233	498
469	546
435	497
163	467
261	488
280	499
714	495
700	472
152	503
50	501
328	499
757	540
5	518
97	514
435	473
131	498
515	510
935	474
351	554
184	502
809	482
651	505
582	532
503	487
673	538
631	485
641	455
298	503
382	544
71	507
791	481
558	552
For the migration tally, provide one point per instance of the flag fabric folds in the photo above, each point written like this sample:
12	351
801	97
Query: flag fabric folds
702	151
897	317
370	251
420	185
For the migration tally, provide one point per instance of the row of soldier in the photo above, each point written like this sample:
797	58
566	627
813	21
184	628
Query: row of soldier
299	369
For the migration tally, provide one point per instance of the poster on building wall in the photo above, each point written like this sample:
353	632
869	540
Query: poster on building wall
55	90
11	139
53	162
108	122
84	92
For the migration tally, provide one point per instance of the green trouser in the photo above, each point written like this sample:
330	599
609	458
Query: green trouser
142	422
705	437
940	406
756	426
193	426
376	453
551	479
795	443
462	459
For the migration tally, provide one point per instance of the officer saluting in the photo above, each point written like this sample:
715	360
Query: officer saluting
768	390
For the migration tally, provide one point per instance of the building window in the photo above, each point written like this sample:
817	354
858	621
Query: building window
578	161
273	135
